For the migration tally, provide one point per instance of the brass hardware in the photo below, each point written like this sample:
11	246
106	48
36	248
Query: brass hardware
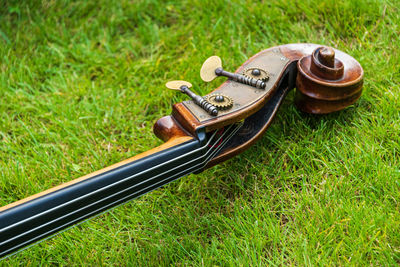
256	73
212	68
220	101
245	95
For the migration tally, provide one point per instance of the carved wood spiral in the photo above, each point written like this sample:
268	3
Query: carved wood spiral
327	81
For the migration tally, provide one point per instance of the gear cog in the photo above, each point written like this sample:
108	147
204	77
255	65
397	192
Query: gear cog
219	101
256	73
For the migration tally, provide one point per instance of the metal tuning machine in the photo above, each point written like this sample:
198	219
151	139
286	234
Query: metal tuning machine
184	86
212	68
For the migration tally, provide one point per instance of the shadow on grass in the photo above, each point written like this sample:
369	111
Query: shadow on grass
263	165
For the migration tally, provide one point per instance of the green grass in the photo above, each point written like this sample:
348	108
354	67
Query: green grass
82	82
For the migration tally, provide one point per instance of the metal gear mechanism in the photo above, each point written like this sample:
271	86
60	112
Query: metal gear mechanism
220	101
256	73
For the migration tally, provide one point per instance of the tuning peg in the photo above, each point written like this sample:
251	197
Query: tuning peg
212	68
208	70
184	86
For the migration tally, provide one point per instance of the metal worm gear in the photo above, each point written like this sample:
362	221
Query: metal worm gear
256	73
219	101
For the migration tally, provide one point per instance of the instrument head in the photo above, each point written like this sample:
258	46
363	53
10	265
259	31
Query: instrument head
326	80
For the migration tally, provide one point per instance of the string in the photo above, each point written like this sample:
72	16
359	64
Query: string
107	186
137	193
129	196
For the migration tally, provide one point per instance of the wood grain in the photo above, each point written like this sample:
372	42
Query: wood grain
335	84
168	128
315	94
341	91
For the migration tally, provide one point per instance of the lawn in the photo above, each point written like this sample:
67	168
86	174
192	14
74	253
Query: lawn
82	83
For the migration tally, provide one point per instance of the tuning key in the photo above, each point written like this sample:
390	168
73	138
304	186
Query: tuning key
184	86
212	68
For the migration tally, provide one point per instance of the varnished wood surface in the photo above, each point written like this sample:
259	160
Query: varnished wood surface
293	52
168	128
324	84
191	123
318	106
182	125
256	134
345	89
328	81
340	87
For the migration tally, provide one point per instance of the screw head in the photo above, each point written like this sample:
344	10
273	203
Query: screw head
256	72
219	98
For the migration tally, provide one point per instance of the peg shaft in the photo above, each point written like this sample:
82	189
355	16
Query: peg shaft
241	78
204	104
212	68
184	86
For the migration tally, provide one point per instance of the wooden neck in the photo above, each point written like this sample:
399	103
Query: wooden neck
32	219
202	141
44	214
